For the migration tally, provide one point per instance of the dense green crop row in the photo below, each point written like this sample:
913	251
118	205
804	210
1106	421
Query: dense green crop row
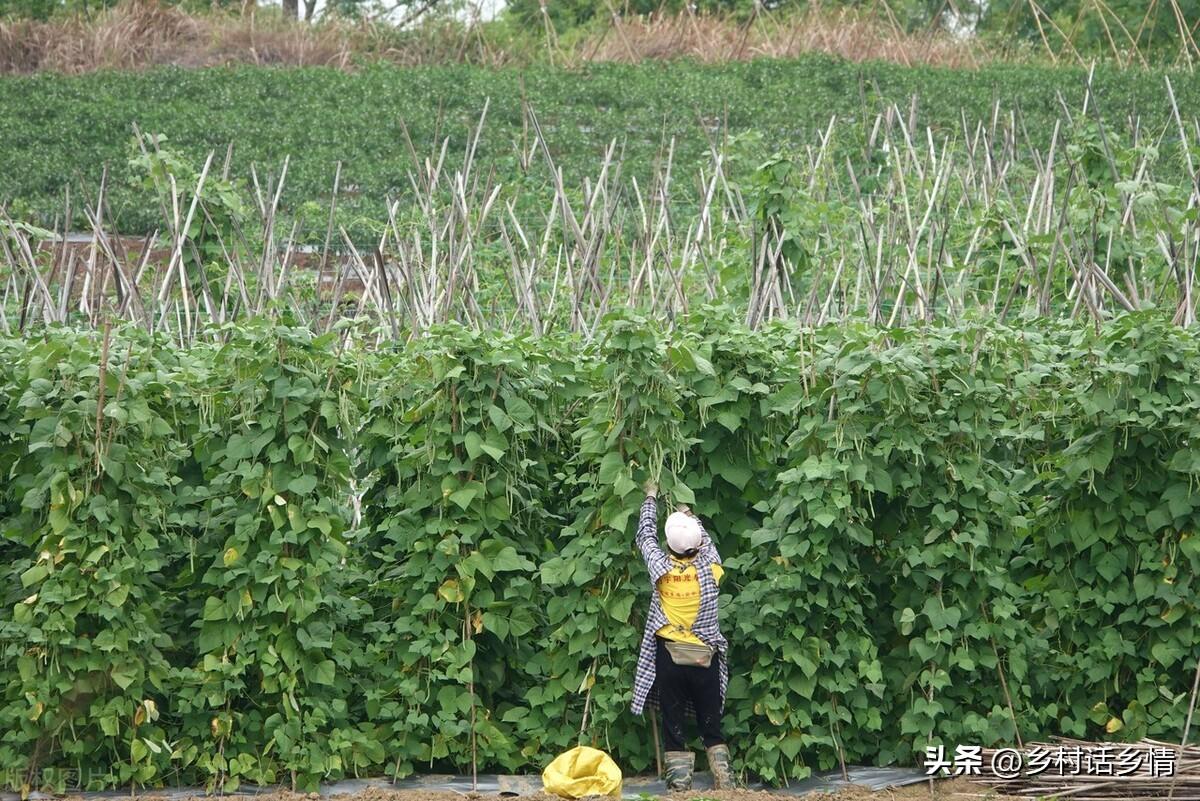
319	117
266	560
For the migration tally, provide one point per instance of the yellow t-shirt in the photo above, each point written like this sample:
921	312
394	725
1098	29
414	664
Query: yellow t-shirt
680	594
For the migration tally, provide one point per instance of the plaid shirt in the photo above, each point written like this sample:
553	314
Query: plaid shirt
705	628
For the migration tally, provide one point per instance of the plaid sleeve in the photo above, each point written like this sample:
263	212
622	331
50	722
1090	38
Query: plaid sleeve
657	562
706	543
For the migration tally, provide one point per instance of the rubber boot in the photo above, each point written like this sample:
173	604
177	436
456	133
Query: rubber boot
677	769
718	763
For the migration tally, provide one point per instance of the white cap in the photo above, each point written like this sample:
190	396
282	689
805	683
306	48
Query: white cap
683	532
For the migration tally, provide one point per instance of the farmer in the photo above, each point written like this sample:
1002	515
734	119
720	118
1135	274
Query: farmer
681	666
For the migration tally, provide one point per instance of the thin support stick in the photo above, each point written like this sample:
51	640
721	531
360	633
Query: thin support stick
1187	727
657	744
471	690
587	701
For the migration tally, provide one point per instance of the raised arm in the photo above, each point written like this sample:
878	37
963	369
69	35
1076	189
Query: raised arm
657	562
706	543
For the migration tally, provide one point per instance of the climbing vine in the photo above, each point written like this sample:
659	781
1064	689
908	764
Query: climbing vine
275	558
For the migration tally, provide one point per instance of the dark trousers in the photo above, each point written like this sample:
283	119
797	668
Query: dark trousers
679	685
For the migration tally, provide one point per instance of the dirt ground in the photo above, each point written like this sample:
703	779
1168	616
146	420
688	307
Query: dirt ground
944	790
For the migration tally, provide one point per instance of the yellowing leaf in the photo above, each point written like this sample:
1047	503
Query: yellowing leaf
231	556
450	592
151	709
1114	725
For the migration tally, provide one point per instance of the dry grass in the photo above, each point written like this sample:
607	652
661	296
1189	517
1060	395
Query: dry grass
141	34
138	35
851	35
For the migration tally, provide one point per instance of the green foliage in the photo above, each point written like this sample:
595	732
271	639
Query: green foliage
817	685
89	491
267	688
44	9
575	13
461	459
581	111
1114	577
271	560
1091	28
48	9
217	233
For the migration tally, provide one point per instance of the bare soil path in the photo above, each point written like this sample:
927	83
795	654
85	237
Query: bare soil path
943	790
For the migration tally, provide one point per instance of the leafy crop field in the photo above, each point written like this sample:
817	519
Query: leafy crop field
313	114
908	230
266	557
327	397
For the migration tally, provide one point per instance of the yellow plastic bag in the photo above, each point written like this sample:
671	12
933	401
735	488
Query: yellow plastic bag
582	771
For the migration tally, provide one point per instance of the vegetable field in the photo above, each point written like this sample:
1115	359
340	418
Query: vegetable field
267	557
312	113
327	397
980	224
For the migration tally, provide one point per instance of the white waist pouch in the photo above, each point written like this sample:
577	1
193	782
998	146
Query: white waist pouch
689	654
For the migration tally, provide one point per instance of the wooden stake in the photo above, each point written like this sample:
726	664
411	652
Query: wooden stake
658	759
1187	727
